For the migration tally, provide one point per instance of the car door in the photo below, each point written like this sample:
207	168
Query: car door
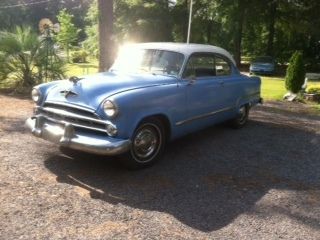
204	89
230	81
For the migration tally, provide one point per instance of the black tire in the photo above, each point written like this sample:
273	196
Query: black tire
148	143
242	118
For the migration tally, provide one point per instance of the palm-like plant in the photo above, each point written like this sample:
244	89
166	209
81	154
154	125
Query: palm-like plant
24	58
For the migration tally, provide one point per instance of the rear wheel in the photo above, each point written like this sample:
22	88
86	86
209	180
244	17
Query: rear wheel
242	117
148	142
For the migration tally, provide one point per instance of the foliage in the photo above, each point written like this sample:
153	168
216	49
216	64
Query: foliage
24	58
295	76
68	33
244	27
249	27
31	14
79	56
144	20
313	90
91	42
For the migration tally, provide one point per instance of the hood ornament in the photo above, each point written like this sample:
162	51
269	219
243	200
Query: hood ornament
75	79
67	93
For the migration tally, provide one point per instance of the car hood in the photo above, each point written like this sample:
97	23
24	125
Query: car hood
91	90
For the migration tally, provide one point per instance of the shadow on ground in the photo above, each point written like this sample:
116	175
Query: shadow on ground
206	179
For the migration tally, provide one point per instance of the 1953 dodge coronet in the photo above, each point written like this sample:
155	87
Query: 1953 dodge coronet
153	93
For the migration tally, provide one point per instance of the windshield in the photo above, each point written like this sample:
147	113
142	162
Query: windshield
154	61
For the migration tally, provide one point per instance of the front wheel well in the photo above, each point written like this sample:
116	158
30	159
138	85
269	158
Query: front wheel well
163	119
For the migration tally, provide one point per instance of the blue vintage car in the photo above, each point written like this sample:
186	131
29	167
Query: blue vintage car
153	93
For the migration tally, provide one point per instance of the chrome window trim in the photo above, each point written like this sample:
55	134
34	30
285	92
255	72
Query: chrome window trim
214	54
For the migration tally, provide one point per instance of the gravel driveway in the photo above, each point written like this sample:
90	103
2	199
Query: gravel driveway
260	182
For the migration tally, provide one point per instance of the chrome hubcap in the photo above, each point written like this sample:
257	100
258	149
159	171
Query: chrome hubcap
146	143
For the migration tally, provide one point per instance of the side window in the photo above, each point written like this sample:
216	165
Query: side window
222	67
206	65
200	65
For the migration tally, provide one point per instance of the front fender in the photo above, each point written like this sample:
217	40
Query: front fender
135	105
44	88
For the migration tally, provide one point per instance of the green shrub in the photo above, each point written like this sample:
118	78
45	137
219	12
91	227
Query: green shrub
27	59
295	73
313	90
79	56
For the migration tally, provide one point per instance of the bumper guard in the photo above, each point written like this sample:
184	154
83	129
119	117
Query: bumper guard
67	136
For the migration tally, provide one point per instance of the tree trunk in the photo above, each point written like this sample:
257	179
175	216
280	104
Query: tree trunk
106	53
238	32
167	23
271	27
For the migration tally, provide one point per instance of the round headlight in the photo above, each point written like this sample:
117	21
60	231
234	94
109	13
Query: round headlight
110	108
35	95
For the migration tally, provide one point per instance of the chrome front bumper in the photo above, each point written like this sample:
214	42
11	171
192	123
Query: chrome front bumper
66	135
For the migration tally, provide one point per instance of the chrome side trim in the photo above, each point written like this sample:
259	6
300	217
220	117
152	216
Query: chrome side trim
203	116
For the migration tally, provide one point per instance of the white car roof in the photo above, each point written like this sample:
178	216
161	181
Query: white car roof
186	49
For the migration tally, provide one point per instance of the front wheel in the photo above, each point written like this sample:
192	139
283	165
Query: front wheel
242	117
148	142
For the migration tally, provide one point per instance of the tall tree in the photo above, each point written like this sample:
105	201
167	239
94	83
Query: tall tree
239	25
145	20
271	27
106	54
91	44
68	33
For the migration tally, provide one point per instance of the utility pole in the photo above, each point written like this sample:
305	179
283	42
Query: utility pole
190	21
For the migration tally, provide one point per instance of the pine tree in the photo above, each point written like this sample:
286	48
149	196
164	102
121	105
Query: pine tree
68	33
295	73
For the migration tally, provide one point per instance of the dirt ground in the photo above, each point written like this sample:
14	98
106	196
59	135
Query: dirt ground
259	182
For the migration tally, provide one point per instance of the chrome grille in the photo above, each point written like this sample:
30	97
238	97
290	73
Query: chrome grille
73	109
77	117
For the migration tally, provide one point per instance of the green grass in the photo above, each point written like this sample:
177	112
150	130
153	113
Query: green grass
80	69
273	88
